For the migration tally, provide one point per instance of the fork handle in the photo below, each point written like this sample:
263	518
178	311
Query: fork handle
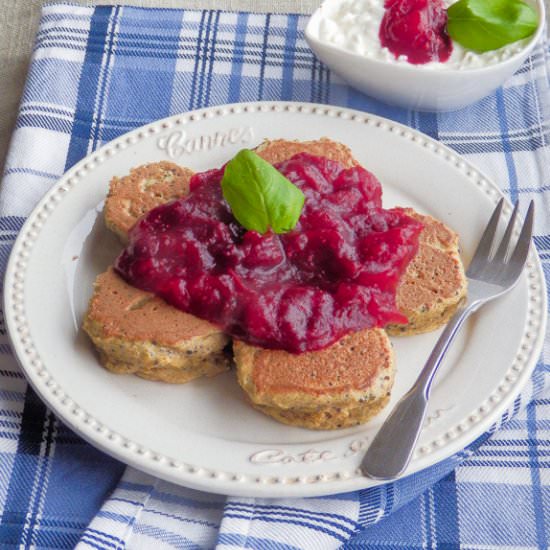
391	450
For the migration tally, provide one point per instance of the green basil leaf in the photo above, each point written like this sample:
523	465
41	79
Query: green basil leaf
260	197
484	25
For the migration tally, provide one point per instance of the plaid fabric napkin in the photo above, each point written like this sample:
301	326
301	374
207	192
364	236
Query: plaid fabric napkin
97	73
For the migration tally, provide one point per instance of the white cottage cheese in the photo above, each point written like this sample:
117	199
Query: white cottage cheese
354	25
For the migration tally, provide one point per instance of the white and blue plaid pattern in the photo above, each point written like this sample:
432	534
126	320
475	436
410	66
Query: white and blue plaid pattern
97	73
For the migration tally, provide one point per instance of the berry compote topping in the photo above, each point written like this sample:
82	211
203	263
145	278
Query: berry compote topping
416	29
335	273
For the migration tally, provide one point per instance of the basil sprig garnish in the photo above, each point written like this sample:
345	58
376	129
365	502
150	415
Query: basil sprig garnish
260	197
484	25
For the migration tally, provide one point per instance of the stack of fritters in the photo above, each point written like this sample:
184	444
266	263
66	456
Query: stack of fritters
343	385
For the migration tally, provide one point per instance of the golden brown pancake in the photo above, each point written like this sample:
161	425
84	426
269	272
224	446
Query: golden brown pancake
434	283
341	386
279	150
137	332
131	196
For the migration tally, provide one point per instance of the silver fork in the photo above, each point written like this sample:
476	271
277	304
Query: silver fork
490	275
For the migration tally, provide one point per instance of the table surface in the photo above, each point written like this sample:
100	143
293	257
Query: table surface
19	22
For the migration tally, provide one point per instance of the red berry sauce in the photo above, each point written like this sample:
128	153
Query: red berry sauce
416	29
335	273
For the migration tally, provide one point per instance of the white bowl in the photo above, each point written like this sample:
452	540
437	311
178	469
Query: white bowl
416	86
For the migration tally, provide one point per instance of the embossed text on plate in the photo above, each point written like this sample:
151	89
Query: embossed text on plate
278	456
180	143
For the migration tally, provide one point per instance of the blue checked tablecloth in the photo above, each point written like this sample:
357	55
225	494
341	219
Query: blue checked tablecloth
97	73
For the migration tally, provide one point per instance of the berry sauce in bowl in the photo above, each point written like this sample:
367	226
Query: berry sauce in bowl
417	30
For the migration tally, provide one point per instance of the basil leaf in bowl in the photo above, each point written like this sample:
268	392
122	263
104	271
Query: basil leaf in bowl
484	25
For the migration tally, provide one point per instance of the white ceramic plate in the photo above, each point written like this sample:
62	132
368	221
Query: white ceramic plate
203	434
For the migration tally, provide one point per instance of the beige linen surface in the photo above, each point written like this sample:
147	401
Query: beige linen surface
19	21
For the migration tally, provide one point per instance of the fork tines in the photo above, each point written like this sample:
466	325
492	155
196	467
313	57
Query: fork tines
490	254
